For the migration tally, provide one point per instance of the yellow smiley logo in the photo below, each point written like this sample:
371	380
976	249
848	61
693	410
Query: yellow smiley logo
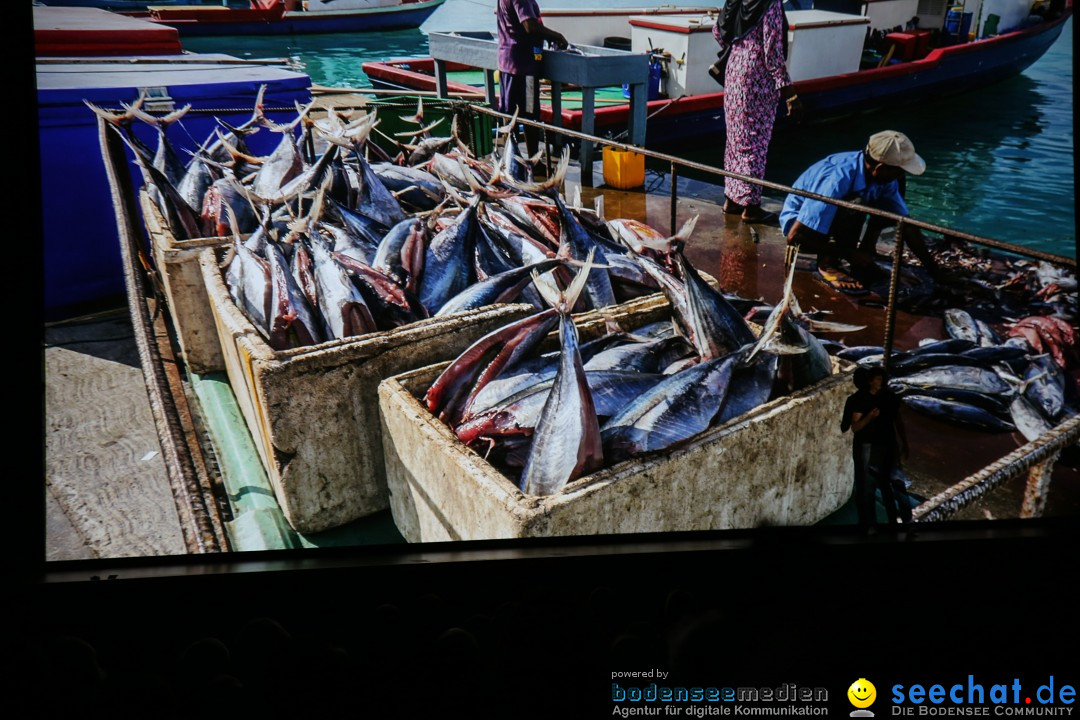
862	693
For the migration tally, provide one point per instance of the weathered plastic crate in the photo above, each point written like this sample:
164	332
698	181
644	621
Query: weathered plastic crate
783	463
177	263
313	411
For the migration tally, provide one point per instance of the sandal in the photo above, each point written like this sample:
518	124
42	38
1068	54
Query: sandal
841	281
761	217
732	208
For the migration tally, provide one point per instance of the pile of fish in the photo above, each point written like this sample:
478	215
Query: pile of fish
988	283
546	419
334	245
1027	381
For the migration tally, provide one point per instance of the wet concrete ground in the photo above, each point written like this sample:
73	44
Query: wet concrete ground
750	263
106	490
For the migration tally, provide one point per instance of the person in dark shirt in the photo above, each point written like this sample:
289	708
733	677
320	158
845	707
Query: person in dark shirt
872	413
521	36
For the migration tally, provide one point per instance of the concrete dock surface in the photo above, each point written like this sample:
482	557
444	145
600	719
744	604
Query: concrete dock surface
108	495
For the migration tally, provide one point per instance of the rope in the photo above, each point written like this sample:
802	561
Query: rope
990	477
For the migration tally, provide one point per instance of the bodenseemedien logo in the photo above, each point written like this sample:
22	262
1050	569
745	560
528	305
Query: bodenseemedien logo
862	694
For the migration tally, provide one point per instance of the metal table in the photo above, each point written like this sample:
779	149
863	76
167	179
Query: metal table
595	67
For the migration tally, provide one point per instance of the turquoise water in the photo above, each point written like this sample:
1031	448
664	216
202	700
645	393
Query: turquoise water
999	160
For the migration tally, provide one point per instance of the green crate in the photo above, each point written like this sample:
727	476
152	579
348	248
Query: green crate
474	128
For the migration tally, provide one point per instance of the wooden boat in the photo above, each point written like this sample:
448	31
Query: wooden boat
949	66
293	17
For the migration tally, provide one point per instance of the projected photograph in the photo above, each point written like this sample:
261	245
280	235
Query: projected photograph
362	274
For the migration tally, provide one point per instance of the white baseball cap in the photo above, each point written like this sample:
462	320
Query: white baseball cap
894	148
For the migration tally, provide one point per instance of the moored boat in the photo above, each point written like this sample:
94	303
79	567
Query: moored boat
292	17
90	55
829	89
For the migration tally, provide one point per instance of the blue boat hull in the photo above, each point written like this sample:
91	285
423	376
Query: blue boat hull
80	237
305	23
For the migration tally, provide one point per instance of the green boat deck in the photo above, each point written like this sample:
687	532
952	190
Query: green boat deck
571	98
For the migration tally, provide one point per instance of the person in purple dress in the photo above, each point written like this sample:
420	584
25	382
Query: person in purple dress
521	45
753	41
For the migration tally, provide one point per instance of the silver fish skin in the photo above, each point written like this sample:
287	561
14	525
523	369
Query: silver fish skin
489	258
904	364
248	280
292	322
520	413
809	367
302	270
960	325
676	409
196	181
987	336
645	357
500	288
363	230
1045	386
527	373
996	404
960	377
750	387
165	158
957	412
448	265
1028	419
858	352
985	355
674	290
340	302
950	345
718	328
400	252
413	186
566	443
427	148
278	168
311	177
598	290
376	201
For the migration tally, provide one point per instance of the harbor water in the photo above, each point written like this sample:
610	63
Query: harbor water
999	159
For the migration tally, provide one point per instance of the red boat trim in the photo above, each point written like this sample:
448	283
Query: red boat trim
624	11
830	23
671	28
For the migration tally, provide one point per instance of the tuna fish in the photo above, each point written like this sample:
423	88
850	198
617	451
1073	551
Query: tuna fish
292	321
500	288
976	379
958	413
454	389
566	444
960	325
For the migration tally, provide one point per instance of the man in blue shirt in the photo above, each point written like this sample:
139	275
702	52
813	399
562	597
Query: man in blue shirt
869	177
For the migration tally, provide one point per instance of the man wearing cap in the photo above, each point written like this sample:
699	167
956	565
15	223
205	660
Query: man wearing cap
869	177
521	45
